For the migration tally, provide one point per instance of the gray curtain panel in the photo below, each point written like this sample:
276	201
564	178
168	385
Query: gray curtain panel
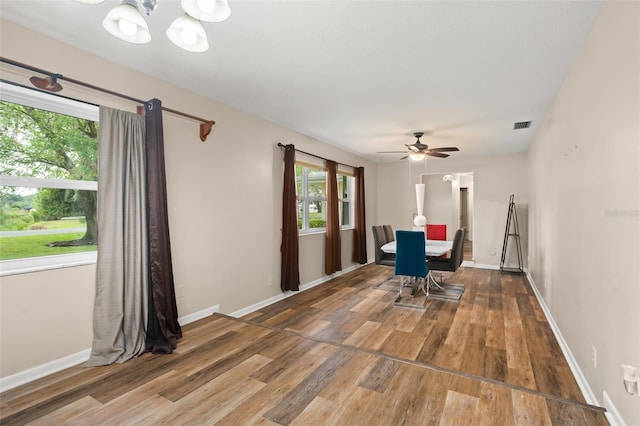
120	310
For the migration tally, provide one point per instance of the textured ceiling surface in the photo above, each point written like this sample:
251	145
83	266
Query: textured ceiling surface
362	75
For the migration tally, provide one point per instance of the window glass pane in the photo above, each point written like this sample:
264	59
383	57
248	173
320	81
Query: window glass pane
317	183
317	214
45	144
300	218
46	222
345	213
41	152
344	189
299	189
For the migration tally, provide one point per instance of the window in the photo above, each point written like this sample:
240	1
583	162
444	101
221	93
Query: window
311	187
345	200
48	180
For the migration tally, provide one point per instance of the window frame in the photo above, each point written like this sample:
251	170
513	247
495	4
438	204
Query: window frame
349	199
306	199
58	104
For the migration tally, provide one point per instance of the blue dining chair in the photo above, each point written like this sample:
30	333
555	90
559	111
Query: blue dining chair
411	262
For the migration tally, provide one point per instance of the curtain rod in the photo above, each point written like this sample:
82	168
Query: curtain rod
205	125
24	86
317	156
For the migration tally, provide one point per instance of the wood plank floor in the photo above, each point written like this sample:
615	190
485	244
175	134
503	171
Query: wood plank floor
340	353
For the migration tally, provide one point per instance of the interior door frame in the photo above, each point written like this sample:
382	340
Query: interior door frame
464	180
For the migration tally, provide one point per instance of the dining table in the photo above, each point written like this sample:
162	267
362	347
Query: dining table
431	247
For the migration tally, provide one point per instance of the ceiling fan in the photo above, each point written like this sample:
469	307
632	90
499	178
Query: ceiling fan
418	151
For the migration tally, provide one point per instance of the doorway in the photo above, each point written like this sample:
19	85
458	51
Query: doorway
450	201
464	223
464	202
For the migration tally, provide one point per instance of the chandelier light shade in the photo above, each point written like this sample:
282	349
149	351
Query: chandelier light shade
207	10
187	33
126	23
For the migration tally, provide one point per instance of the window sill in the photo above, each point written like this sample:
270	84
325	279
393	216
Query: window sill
45	263
323	231
319	231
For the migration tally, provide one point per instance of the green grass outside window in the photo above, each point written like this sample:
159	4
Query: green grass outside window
36	245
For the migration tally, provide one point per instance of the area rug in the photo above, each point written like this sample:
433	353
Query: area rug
404	299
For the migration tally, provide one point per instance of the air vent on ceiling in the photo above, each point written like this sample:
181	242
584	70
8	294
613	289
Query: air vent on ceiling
521	125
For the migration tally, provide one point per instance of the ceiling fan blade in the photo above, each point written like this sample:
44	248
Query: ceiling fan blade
447	149
436	154
413	147
391	152
406	156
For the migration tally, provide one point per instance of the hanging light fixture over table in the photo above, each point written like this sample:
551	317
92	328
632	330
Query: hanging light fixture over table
127	23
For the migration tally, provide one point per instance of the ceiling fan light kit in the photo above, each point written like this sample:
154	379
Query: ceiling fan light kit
417	156
127	23
418	151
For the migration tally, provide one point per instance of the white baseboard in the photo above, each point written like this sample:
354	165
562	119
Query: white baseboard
484	266
588	394
287	294
186	319
43	370
59	364
54	366
612	414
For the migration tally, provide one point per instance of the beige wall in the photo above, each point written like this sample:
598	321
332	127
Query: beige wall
495	179
585	205
224	209
439	205
45	316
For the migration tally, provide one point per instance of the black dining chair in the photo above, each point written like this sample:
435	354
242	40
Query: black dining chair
381	237
448	264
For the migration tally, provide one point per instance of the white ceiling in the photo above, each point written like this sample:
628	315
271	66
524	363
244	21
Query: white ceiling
362	75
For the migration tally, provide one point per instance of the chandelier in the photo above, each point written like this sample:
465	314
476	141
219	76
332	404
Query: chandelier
127	23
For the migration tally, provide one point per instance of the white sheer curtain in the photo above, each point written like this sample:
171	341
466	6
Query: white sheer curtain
120	310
